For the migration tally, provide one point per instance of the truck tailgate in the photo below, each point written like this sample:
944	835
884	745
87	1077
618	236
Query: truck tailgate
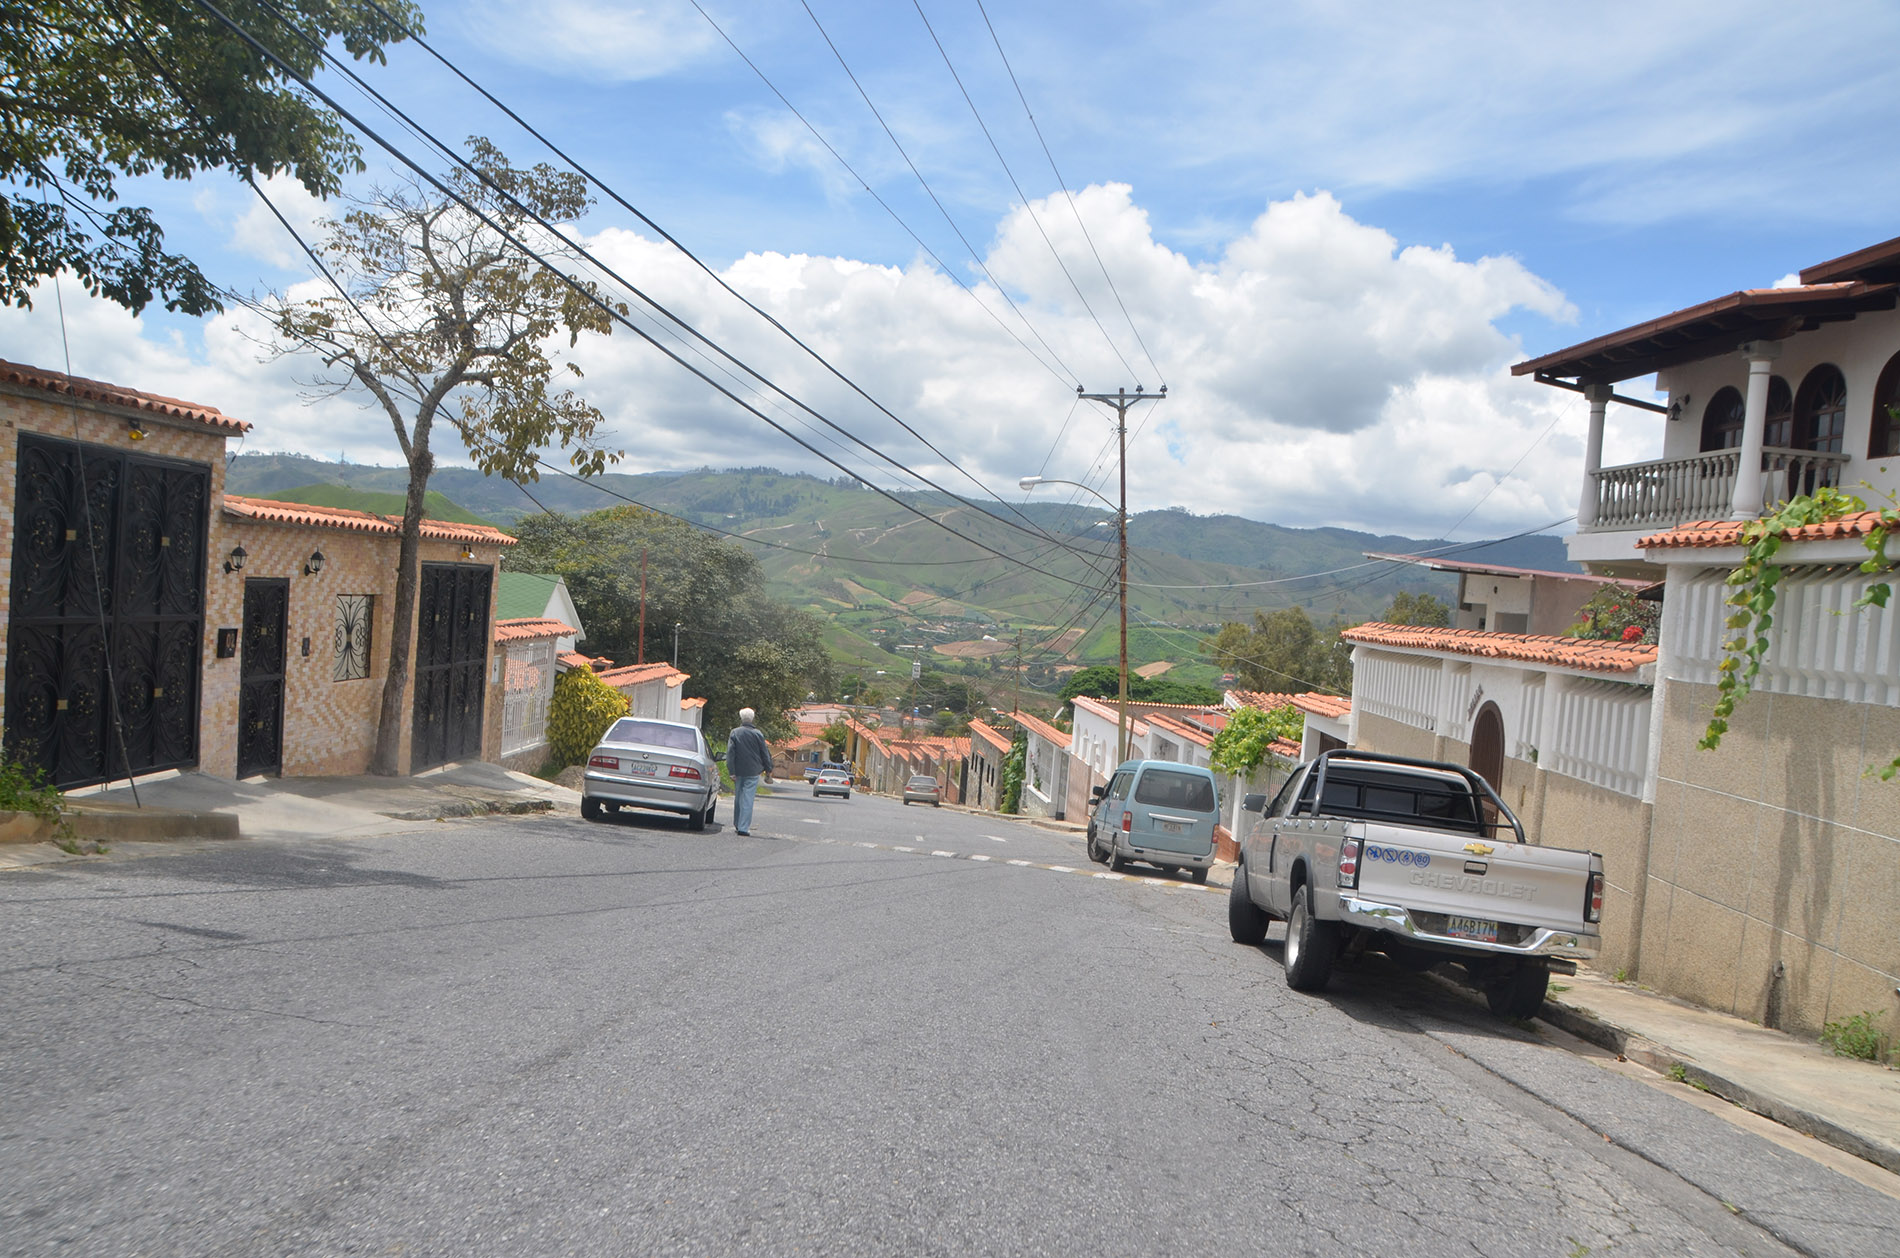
1474	883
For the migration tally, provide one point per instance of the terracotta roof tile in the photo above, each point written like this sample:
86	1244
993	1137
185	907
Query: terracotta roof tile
634	674
63	385
1709	533
528	628
1530	648
982	730
1323	705
273	512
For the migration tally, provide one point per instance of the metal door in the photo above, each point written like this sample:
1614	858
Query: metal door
452	634
107	611
260	742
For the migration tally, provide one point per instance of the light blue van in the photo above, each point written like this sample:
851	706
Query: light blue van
1158	811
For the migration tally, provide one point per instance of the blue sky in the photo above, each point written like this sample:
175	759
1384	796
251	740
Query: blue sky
1335	226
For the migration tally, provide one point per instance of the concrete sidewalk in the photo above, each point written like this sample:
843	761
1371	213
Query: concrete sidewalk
194	806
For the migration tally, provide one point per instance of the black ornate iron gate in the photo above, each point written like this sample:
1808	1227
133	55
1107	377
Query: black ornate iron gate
108	565
451	663
260	746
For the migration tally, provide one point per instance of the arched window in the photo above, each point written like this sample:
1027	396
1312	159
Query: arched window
1883	440
1778	431
1722	421
1820	410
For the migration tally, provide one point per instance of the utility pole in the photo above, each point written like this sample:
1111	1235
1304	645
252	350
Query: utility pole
1121	400
643	607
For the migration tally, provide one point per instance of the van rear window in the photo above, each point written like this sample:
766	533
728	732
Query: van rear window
1165	788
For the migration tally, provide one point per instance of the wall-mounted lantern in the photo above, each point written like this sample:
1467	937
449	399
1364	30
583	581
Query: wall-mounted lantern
315	564
234	562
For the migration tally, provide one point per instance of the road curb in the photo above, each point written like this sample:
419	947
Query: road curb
1660	1058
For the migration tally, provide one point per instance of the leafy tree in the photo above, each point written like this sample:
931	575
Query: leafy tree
1283	651
1407	608
836	736
1103	681
1242	744
90	94
445	309
743	648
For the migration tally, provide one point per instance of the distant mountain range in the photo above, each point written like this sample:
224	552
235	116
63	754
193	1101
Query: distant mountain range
887	578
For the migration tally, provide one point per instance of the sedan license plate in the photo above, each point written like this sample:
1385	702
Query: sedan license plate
1172	827
1472	928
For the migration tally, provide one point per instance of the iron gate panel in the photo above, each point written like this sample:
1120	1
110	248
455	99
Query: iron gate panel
111	573
261	658
453	602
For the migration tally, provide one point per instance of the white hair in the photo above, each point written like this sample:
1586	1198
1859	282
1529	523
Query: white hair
747	716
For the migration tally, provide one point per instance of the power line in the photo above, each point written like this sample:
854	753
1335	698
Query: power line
1027	205
581	252
578	288
931	192
613	195
1064	185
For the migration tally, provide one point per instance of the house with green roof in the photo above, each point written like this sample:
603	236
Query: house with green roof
539	596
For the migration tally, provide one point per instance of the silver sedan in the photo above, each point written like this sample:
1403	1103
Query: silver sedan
664	765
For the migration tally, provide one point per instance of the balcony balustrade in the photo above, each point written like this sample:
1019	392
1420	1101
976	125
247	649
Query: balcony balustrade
1667	492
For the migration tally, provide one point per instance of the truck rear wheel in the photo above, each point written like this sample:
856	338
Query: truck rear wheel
1310	944
1245	922
1519	991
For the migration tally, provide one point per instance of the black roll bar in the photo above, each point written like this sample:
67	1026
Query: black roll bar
1478	785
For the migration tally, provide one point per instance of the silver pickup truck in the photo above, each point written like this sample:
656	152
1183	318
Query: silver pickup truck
1418	860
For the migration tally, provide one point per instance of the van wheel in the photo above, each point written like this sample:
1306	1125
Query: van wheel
1518	992
590	809
1310	944
1245	922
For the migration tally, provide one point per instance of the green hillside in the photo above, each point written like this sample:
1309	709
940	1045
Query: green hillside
435	505
886	579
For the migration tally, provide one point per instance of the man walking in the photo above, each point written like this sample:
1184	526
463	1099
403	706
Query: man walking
747	759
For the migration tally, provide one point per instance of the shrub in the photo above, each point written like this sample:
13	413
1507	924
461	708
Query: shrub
1855	1036
582	708
24	788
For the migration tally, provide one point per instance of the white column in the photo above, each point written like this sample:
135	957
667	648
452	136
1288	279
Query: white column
1598	396
1746	504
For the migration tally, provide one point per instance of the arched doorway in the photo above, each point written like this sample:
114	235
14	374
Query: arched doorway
1487	746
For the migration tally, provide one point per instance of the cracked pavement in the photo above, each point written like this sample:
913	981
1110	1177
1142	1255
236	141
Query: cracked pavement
543	1036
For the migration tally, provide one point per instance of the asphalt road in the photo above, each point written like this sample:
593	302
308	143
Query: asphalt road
554	1037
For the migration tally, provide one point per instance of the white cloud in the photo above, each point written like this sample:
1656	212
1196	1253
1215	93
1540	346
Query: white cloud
602	41
1318	372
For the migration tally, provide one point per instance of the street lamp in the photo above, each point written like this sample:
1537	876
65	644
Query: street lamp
1121	546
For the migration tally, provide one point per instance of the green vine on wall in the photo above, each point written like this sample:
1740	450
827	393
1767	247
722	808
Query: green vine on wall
1753	599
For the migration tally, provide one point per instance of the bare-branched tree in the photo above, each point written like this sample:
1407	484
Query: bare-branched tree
447	318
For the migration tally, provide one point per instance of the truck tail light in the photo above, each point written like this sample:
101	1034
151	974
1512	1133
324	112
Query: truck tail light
1128	823
684	771
1593	898
603	762
1349	863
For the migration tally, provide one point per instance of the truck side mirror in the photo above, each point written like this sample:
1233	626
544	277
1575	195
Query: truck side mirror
1253	803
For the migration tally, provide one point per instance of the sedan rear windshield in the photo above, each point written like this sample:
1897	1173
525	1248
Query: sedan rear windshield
1164	788
654	734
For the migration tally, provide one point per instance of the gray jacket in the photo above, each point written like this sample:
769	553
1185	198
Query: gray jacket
747	756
